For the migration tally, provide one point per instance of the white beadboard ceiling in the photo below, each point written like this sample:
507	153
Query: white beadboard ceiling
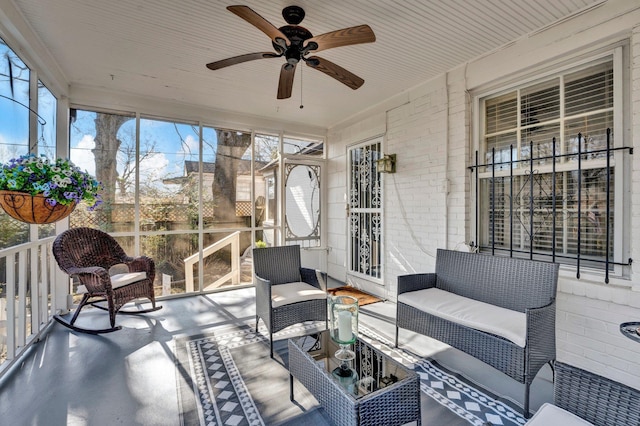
159	48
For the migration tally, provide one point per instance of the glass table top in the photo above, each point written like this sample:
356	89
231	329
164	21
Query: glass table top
368	372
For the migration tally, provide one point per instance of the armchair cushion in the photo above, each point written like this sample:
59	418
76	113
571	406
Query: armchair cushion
286	294
549	414
119	280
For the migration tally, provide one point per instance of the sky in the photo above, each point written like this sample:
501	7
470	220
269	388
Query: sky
164	145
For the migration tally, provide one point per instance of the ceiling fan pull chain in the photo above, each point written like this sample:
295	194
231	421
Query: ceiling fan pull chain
301	106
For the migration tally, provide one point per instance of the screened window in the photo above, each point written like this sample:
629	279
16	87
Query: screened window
549	165
297	146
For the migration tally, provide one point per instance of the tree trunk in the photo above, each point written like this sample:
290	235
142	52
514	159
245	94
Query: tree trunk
105	153
231	147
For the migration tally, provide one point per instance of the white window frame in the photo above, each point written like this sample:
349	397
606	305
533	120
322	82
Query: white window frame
619	58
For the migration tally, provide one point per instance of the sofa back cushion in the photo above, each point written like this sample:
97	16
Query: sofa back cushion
503	281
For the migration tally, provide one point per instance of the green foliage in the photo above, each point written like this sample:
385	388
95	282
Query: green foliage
261	244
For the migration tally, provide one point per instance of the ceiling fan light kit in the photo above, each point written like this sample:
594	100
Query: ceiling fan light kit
295	43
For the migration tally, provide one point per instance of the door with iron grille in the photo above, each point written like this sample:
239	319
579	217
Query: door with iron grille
365	210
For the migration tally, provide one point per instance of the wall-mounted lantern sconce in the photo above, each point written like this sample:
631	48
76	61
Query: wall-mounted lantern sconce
386	164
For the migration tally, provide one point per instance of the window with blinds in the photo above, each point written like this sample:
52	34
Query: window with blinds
547	185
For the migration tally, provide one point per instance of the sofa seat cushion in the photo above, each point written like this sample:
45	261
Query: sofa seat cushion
286	294
549	414
119	280
506	323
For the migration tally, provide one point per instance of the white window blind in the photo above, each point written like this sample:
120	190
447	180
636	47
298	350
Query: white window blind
546	180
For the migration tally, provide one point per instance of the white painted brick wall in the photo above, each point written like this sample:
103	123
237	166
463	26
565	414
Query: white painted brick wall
432	142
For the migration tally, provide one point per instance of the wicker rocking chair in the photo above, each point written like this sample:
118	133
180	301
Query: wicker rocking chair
286	293
88	254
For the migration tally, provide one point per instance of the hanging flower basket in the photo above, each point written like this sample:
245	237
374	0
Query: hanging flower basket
36	190
33	208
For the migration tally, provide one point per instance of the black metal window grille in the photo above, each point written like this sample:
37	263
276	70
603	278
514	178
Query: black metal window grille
561	216
545	188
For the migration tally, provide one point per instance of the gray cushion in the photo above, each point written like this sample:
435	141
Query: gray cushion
549	415
512	325
119	280
286	294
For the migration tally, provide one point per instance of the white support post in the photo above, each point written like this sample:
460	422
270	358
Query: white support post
11	306
21	337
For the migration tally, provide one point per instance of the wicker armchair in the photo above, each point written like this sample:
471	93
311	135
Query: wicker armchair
286	293
88	254
595	399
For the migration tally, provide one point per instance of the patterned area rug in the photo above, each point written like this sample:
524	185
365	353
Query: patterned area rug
227	378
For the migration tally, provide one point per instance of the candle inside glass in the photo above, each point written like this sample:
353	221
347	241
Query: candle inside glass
344	326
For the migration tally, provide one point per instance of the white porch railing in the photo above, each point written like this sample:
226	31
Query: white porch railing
234	241
27	293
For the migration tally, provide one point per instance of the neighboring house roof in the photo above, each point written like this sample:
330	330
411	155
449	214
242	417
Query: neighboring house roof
192	167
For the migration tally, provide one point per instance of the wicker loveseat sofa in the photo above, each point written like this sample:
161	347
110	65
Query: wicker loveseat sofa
500	310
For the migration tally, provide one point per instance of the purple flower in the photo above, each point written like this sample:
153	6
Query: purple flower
61	182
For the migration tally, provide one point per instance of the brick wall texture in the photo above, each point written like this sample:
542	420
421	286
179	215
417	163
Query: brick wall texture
428	206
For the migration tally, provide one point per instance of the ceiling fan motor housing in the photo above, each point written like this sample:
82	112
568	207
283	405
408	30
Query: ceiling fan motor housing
296	35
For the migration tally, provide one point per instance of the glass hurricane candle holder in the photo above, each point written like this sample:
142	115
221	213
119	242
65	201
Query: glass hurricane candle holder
343	325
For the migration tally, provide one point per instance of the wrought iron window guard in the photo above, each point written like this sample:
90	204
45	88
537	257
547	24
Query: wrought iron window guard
531	171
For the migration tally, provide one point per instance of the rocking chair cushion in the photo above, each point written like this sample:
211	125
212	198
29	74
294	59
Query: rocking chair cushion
119	280
286	294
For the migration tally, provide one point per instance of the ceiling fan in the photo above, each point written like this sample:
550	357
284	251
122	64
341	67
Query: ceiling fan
296	43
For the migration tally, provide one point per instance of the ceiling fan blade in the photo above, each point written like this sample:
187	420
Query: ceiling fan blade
252	17
240	59
286	81
335	71
343	37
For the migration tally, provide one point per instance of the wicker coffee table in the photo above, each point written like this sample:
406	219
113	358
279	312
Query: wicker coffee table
381	392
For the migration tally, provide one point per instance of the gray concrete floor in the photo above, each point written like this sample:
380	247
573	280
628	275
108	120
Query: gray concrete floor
128	377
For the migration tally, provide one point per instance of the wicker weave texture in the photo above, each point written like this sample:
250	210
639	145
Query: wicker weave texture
511	283
88	254
281	265
596	399
339	406
518	284
310	310
278	265
495	351
396	404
